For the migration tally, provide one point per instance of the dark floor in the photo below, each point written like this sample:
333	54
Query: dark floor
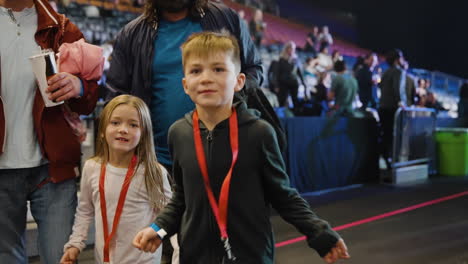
429	235
435	234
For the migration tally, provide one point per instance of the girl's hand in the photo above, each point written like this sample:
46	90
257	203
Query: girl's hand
70	256
147	240
339	251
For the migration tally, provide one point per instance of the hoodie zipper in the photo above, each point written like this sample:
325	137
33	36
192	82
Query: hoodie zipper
212	221
209	136
209	142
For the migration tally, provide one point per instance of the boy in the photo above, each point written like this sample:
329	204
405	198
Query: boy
229	141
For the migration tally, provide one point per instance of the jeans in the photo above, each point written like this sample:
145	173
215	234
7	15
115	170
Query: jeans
52	206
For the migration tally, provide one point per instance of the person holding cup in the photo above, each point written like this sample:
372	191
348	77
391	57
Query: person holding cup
40	153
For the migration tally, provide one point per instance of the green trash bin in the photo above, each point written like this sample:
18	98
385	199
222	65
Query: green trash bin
452	151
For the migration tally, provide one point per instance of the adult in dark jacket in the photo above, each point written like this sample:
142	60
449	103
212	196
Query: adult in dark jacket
146	61
311	41
288	76
394	95
367	84
41	154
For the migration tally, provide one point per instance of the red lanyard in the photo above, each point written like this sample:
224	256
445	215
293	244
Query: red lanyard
219	209
118	211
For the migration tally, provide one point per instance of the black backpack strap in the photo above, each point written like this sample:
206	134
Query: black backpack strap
256	99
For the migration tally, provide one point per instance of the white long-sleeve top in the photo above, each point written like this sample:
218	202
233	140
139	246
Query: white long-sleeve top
136	215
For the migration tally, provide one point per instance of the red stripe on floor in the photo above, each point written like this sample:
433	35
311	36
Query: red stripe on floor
378	217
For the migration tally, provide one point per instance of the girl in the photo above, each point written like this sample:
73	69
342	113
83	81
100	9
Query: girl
123	187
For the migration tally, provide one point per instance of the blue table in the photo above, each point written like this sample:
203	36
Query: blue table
326	153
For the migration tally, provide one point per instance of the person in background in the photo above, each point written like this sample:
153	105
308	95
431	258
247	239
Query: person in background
311	41
428	84
367	83
241	14
325	62
310	76
323	95
39	151
394	95
336	56
344	88
421	89
257	28
358	64
325	39
431	102
288	76
411	95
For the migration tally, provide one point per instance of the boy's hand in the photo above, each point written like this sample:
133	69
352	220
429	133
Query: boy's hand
339	251
70	256
147	240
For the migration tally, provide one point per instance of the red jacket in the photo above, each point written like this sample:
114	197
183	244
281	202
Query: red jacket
56	139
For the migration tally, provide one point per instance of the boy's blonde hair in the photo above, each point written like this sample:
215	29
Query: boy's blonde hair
144	150
204	44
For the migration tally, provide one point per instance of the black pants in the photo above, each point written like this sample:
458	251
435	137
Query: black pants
286	90
387	120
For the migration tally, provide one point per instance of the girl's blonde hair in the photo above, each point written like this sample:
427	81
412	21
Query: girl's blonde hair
144	150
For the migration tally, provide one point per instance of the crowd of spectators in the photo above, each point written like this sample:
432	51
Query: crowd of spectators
295	80
370	94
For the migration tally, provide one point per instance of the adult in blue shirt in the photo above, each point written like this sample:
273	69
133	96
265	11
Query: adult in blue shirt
146	60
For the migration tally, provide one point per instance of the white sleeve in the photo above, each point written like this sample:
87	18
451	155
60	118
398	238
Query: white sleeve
85	211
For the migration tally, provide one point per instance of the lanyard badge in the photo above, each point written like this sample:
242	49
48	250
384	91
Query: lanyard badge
220	208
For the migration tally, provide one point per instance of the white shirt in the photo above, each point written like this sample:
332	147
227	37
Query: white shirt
136	214
325	38
18	88
325	62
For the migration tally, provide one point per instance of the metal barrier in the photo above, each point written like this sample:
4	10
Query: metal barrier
413	144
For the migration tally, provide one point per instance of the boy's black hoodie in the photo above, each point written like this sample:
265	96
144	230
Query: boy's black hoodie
259	181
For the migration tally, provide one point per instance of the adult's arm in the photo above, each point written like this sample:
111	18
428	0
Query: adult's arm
120	71
250	57
84	104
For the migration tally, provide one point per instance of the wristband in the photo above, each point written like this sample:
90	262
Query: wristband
155	227
159	231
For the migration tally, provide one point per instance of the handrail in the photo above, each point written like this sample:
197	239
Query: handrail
404	138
